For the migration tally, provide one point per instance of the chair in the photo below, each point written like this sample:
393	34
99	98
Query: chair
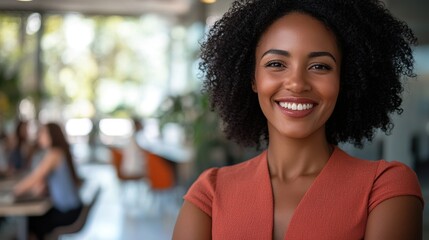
80	222
162	182
160	172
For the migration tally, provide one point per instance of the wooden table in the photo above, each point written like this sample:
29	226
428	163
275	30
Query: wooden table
30	208
22	210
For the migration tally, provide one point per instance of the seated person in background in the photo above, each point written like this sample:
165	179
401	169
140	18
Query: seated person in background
22	149
133	163
55	173
3	154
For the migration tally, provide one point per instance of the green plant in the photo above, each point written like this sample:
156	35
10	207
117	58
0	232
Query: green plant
10	94
203	130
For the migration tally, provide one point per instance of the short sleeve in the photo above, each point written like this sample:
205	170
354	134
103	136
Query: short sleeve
202	191
393	179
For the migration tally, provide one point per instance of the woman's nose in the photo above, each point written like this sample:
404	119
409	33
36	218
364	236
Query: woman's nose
296	81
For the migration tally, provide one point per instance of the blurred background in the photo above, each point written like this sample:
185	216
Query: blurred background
96	65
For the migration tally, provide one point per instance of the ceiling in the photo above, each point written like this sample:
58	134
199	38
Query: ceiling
414	12
105	7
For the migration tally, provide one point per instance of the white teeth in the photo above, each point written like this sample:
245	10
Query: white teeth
296	106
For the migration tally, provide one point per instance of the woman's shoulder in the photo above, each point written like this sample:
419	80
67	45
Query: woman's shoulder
237	171
386	179
54	156
55	153
243	172
394	179
377	167
224	179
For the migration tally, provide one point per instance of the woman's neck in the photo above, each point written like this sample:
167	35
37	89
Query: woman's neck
289	159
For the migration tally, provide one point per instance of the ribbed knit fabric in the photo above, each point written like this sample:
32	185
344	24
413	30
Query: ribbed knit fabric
239	198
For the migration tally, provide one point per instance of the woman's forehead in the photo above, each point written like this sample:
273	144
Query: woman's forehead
298	30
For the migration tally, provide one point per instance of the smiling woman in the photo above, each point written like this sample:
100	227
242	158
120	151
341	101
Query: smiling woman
297	76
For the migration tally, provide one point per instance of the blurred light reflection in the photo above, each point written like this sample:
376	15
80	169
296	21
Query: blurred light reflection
78	126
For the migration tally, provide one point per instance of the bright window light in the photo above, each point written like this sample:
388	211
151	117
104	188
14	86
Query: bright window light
119	127
78	127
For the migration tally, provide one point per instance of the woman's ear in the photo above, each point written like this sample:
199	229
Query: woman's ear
254	88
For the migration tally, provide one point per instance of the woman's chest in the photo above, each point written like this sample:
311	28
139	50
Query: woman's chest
287	197
309	210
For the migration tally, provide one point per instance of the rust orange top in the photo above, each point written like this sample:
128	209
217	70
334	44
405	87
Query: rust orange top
239	198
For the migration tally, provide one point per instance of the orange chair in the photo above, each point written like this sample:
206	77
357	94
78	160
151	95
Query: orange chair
160	172
163	196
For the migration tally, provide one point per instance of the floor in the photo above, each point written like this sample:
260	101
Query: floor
127	211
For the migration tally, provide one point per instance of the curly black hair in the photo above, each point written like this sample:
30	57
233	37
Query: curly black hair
376	55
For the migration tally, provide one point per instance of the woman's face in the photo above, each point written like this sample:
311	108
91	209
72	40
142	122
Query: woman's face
297	75
44	138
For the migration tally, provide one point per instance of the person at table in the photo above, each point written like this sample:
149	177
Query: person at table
22	150
297	77
55	174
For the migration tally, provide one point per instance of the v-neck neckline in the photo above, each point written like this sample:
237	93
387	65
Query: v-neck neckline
304	199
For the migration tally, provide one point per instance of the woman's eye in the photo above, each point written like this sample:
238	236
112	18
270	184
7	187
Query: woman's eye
322	67
275	64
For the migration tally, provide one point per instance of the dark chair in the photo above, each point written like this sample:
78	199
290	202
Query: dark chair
91	199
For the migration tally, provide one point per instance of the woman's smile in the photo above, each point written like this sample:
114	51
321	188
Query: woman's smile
296	107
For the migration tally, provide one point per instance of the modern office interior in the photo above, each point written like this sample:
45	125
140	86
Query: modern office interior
99	66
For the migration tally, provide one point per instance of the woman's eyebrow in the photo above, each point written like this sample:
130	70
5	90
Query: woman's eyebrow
310	55
321	54
276	52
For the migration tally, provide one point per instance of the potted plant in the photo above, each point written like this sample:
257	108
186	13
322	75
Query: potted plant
10	94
